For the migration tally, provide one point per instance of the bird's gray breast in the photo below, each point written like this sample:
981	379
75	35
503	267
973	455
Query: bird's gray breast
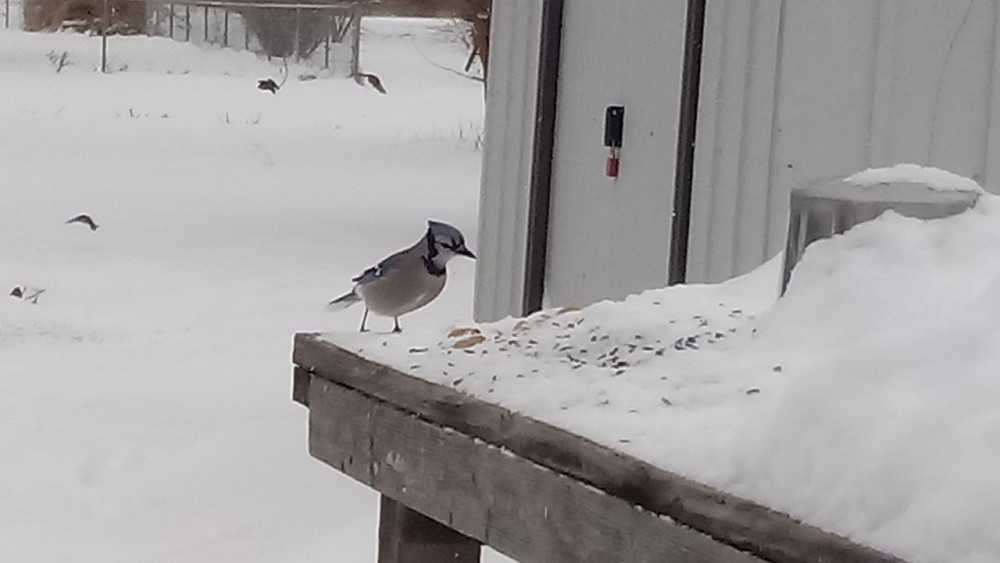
401	288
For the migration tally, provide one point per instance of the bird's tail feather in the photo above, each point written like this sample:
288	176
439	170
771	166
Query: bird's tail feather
343	302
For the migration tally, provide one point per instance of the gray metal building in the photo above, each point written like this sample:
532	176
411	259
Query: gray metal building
787	91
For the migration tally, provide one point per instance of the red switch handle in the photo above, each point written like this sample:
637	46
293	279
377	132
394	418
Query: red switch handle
611	167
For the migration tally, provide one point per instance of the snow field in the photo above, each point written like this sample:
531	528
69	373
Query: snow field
145	409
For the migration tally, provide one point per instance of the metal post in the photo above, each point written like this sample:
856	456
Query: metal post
170	18
187	23
225	27
540	186
326	44
206	25
6	14
246	32
687	130
104	38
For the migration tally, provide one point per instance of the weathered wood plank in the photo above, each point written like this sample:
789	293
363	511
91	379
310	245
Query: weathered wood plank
406	536
520	508
734	521
300	386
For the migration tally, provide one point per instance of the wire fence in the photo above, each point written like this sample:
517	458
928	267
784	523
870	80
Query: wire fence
301	31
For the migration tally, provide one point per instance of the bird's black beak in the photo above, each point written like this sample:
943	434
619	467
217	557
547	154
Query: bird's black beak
465	252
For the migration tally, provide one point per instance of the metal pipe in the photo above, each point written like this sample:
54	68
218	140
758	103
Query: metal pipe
687	130
540	187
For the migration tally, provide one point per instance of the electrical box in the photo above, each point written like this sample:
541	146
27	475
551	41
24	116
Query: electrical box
614	130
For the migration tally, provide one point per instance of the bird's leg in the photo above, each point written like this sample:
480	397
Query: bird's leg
396	327
364	319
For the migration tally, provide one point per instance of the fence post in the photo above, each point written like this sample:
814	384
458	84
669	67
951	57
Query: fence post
355	42
187	23
6	14
225	27
326	44
298	46
206	25
170	19
104	37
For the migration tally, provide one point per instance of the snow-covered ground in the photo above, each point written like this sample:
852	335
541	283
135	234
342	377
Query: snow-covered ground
144	400
865	401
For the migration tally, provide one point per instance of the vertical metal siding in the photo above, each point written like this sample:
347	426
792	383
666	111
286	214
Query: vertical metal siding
510	111
991	160
733	164
794	91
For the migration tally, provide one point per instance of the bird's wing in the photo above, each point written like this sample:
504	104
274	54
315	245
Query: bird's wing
369	275
385	266
376	83
33	292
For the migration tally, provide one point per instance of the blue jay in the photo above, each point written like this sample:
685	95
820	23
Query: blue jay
26	293
408	279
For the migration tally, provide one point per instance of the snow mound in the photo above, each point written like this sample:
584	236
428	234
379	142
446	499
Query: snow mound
934	178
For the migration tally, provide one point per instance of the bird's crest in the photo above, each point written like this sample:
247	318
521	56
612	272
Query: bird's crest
444	231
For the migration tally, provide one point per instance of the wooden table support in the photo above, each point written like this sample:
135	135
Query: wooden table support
407	536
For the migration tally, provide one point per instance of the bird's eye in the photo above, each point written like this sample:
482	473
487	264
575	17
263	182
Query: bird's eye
448	243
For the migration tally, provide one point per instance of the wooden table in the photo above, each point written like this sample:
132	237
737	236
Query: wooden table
456	472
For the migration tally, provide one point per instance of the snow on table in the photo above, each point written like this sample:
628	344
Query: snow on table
866	401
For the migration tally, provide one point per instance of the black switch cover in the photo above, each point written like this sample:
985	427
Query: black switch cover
614	123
